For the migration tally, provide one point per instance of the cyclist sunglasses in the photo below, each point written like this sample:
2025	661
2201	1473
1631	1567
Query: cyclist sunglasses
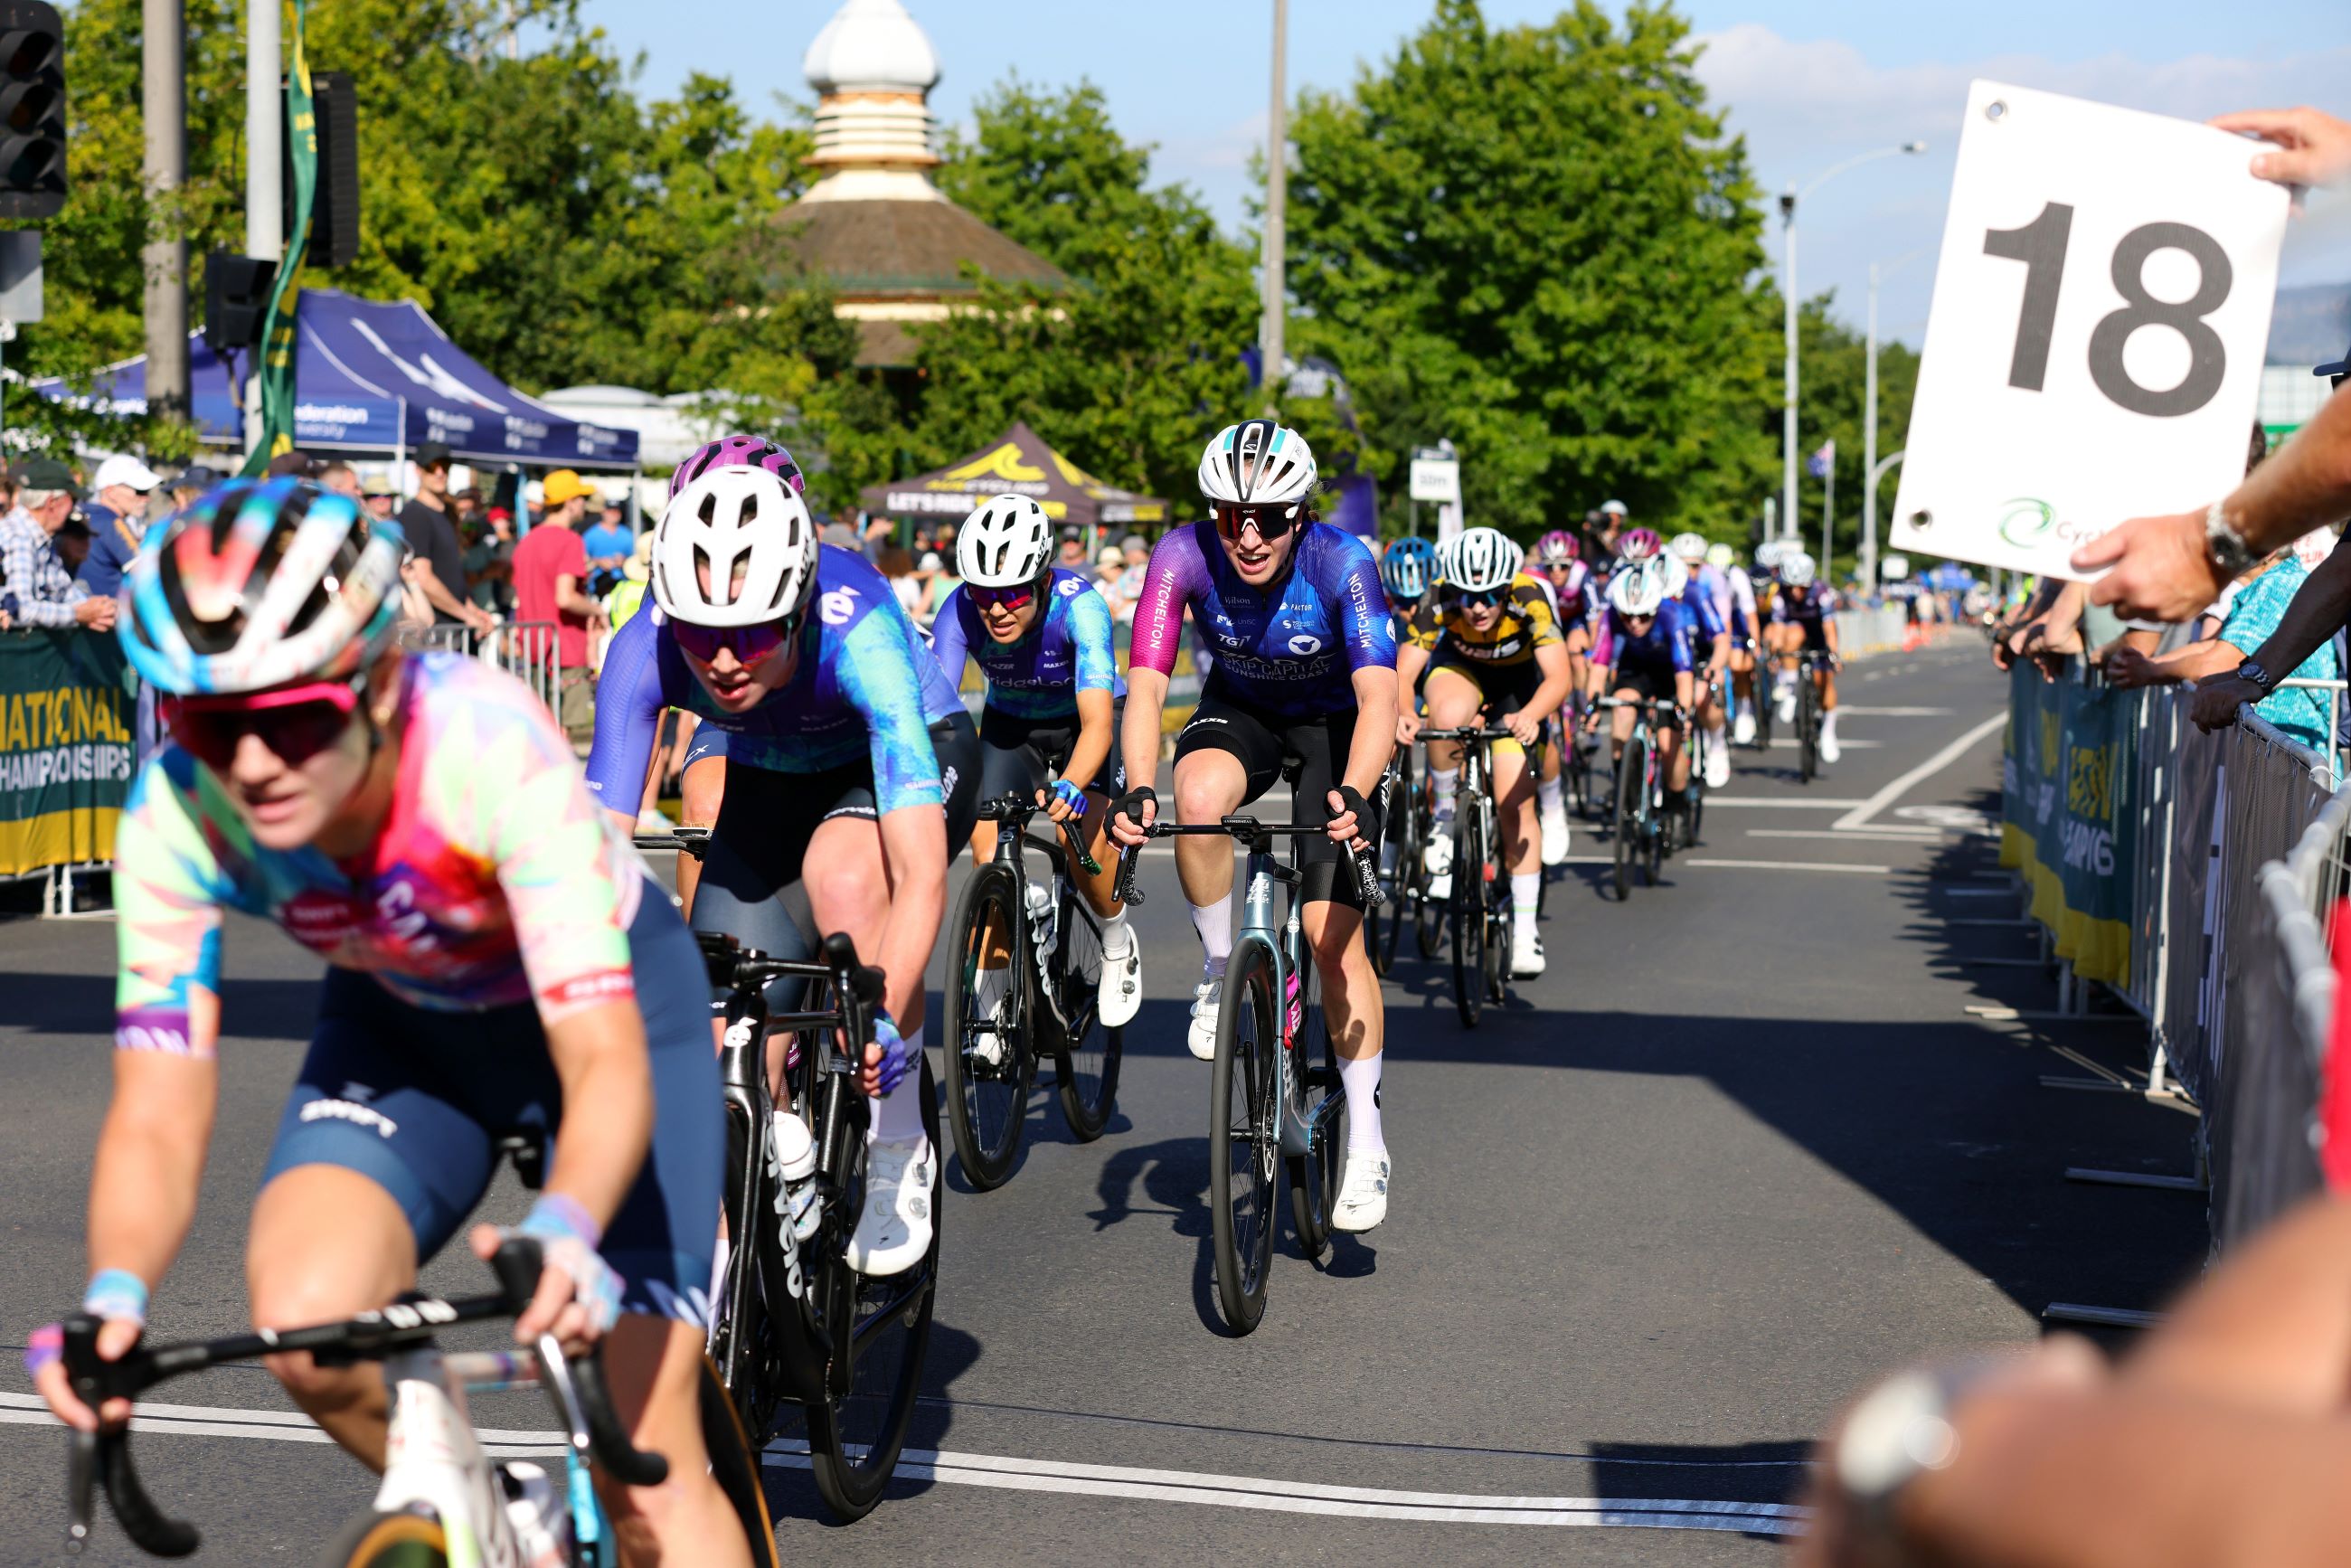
1001	598
296	723
1485	598
1271	522
750	644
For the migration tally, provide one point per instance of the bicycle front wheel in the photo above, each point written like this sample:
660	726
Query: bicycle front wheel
1086	1054
1631	774
854	1441
1244	1139
378	1538
991	1060
1405	834
1472	893
1808	724
1314	1070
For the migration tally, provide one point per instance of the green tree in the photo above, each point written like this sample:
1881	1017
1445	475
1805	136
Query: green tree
1130	368
1833	380
1538	242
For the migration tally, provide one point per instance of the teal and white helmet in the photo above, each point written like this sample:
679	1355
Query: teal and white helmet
1257	463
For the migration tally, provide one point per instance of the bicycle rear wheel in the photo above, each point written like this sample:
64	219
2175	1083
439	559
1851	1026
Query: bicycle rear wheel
740	1345
1243	1137
884	1325
384	1540
987	1101
1808	724
1500	910
1632	771
1472	893
1405	815
1086	1055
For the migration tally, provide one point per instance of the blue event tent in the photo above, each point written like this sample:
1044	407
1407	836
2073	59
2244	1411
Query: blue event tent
376	378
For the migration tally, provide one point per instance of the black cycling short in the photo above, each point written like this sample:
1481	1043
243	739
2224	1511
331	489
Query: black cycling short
1657	684
1506	688
1022	756
1312	750
750	886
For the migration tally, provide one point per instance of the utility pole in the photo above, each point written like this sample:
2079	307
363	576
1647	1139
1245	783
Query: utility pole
165	258
265	174
1276	196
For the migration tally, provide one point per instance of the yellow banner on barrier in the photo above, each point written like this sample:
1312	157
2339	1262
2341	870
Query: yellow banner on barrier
66	749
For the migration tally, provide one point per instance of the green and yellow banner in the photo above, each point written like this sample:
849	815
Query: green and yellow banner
66	749
278	333
2068	823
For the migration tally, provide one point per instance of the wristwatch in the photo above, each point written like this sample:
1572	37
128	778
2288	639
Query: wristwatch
2232	555
1900	1430
2251	670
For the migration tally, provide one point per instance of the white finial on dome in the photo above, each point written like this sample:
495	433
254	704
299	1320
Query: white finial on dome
872	46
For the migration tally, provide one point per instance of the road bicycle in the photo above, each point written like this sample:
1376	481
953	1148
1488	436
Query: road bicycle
1482	882
1808	710
1685	833
1274	1091
1638	833
442	1500
1051	967
1403	879
1579	764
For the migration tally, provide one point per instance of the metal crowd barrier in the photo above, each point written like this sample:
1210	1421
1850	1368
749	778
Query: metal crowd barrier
523	649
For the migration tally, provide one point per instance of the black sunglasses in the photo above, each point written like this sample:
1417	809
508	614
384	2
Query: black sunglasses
1271	522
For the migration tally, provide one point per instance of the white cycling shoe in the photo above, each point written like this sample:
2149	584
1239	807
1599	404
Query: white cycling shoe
894	1230
1362	1193
1743	728
1554	835
1830	749
1438	858
1717	767
1202	1037
1526	951
1119	992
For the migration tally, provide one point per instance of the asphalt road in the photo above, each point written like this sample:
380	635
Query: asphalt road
1740	1149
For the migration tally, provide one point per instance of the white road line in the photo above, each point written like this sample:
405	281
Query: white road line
1007	1473
1777	804
1895	712
1790	865
1778	744
1933	765
1855	835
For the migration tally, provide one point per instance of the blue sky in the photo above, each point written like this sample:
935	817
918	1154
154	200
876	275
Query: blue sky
1808	82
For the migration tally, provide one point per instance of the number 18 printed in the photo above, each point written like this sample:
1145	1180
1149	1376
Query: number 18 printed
2095	348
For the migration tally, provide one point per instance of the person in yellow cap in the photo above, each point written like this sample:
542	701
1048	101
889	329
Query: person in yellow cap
550	578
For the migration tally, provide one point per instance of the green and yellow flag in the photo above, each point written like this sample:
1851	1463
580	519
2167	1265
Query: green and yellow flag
278	334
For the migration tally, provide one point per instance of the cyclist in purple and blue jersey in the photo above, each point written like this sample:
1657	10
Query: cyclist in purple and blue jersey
1305	674
1643	653
1707	593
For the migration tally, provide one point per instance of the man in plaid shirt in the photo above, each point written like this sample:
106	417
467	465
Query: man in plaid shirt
44	592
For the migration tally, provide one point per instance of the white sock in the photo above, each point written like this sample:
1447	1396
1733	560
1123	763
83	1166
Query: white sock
1716	734
1442	782
719	1270
1828	724
1114	936
1549	791
1360	1076
1214	922
988	989
1526	887
898	1116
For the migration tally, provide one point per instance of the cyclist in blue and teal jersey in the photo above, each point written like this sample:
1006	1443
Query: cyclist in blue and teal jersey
851	773
1644	652
1707	595
1042	637
1305	671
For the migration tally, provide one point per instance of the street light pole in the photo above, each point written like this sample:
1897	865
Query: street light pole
1869	428
1789	201
165	256
1277	195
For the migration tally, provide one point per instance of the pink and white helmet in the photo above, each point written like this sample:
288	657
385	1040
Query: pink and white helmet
739	452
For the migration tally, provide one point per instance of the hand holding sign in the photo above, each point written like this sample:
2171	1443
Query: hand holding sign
2094	350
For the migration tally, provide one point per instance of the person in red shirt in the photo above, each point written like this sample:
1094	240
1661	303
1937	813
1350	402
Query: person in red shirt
551	583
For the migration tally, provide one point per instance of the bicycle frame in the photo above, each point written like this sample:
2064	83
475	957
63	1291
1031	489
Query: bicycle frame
1013	842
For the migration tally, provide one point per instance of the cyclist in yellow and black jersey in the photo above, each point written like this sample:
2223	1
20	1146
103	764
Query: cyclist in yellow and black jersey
1489	642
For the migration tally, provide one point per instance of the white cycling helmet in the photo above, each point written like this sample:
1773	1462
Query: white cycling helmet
1638	590
1768	554
1481	560
1796	569
1008	541
1690	548
1257	463
753	532
1677	574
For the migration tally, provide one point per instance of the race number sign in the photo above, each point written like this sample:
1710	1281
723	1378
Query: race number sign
2093	352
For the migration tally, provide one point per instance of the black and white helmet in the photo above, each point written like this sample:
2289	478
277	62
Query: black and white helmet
753	533
1480	561
1257	464
1639	588
1007	542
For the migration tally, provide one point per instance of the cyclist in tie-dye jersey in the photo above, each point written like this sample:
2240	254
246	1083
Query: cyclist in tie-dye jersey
498	967
1305	652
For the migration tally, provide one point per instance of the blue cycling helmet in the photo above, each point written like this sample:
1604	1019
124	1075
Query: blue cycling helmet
1407	566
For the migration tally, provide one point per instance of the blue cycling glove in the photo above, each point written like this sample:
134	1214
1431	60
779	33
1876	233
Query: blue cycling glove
1070	795
898	1056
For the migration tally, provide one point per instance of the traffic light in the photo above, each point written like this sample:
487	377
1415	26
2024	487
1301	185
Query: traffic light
335	203
32	109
